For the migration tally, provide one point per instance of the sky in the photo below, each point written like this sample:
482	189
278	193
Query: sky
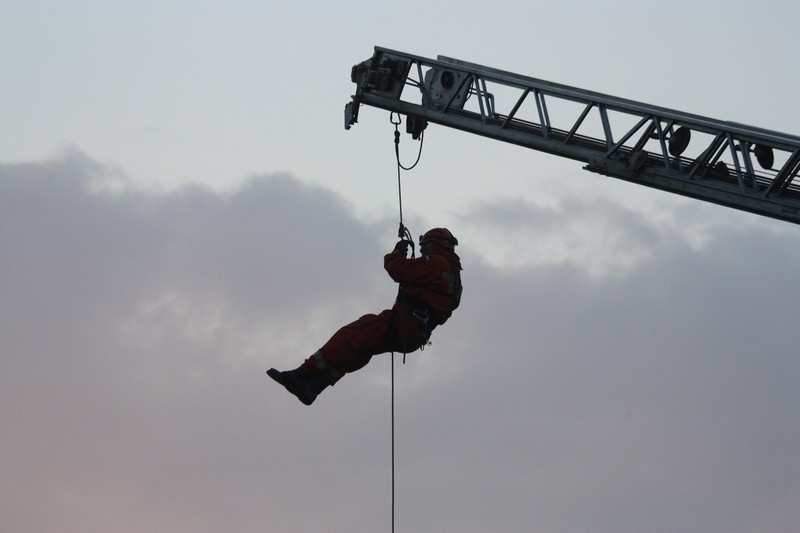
181	209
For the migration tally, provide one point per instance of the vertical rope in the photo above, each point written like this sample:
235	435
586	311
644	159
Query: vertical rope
399	185
392	442
402	233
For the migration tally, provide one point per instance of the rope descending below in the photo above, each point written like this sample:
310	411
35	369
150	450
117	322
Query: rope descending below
404	234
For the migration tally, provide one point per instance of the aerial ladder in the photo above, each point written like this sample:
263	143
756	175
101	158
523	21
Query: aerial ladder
726	163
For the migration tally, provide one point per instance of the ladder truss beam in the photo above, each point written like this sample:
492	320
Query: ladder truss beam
727	163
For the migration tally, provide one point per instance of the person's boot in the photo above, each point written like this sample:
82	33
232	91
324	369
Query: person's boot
305	386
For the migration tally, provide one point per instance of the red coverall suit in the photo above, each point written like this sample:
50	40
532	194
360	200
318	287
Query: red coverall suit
430	289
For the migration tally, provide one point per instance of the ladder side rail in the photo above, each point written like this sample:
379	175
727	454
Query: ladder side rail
623	104
699	122
586	150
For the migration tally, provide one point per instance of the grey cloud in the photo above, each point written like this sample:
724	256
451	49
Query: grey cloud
661	401
127	314
601	236
136	328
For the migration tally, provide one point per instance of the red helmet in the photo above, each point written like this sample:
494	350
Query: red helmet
440	236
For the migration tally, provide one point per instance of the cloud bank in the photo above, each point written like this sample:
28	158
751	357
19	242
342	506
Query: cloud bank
606	372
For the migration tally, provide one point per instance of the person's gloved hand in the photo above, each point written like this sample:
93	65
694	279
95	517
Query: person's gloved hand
401	247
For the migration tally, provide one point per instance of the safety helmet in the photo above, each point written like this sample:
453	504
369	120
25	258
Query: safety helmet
440	236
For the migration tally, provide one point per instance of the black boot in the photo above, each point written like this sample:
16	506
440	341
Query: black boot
305	387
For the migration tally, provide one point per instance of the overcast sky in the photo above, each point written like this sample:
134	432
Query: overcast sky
181	209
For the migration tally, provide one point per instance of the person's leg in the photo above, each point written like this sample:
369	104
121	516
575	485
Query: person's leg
351	347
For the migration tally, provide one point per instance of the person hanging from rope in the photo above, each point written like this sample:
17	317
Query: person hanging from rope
430	290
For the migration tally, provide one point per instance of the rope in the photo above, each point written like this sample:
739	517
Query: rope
405	234
392	442
397	145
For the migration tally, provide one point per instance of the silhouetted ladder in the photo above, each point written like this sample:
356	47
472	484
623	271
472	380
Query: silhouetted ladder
691	155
